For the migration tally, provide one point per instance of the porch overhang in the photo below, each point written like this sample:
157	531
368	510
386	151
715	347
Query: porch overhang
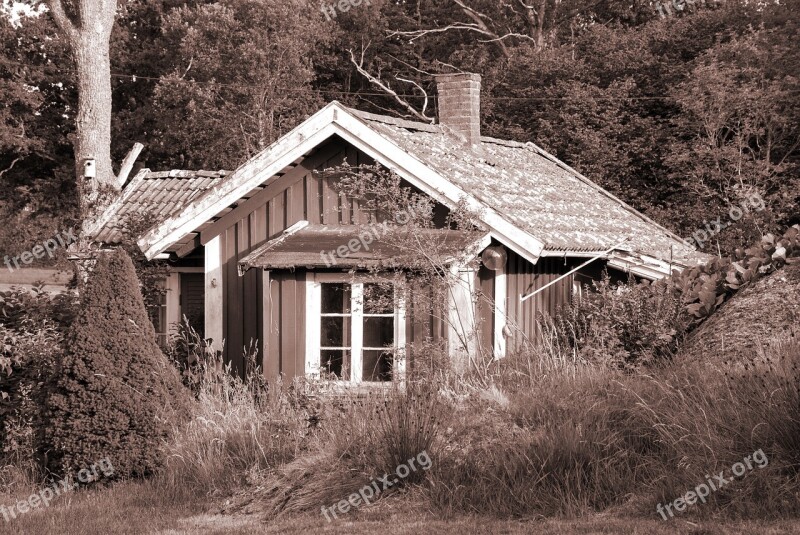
376	245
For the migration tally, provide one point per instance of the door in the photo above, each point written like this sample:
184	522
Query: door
192	302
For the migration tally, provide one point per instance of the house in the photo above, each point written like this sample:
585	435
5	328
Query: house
248	247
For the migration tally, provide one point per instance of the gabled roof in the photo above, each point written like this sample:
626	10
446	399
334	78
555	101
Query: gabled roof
528	199
536	192
154	195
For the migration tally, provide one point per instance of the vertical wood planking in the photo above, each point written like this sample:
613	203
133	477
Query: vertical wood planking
274	335
287	325
485	305
295	204
311	189
269	359
258	235
226	291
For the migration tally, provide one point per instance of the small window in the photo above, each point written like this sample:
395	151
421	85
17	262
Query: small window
357	331
157	311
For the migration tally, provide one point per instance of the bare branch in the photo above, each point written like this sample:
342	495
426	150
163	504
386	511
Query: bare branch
10	167
62	21
479	17
415	84
359	65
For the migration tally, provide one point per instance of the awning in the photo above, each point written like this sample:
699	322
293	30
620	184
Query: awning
363	246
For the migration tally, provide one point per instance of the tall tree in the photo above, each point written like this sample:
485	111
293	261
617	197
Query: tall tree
87	29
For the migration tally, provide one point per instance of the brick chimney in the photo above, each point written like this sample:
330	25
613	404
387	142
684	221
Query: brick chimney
460	105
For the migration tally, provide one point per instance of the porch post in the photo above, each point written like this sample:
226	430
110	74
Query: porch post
213	298
461	325
499	313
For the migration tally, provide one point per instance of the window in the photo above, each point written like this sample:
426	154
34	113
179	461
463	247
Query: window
355	331
157	312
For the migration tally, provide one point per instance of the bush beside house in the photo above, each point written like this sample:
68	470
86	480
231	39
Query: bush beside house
116	394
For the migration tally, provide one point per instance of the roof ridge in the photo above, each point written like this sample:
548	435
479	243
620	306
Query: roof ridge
186	173
396	121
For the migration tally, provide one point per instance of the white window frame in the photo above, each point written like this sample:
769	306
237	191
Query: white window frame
314	283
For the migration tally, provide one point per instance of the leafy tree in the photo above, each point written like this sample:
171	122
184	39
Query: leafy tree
116	394
740	121
241	78
36	171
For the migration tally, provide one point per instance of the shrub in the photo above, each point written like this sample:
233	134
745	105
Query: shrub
31	340
27	360
116	394
23	310
621	326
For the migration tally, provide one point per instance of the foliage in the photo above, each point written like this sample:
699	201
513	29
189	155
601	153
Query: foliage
201	366
622	326
234	434
27	361
704	288
23	310
32	326
116	395
379	431
240	78
642	323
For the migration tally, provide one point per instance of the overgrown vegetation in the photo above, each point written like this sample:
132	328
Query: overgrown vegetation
32	326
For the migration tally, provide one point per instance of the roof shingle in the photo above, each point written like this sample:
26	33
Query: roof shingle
157	195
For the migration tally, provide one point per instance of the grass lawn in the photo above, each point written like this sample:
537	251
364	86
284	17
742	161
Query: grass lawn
137	508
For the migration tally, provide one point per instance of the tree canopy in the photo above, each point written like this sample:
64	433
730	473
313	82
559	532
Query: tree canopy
682	116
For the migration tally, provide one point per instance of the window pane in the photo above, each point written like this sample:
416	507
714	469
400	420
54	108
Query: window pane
335	362
377	365
378	332
335	331
378	298
336	298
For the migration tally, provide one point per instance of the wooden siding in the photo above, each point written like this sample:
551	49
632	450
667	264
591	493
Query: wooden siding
424	325
300	193
192	300
523	278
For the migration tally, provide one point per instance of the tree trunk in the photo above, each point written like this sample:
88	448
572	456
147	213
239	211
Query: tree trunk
88	32
93	140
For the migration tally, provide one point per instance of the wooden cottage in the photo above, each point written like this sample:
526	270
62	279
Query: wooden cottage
247	248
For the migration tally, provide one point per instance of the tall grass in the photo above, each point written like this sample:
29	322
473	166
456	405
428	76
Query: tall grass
238	427
555	435
582	438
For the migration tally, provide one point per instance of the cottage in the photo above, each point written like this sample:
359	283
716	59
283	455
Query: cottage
266	253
